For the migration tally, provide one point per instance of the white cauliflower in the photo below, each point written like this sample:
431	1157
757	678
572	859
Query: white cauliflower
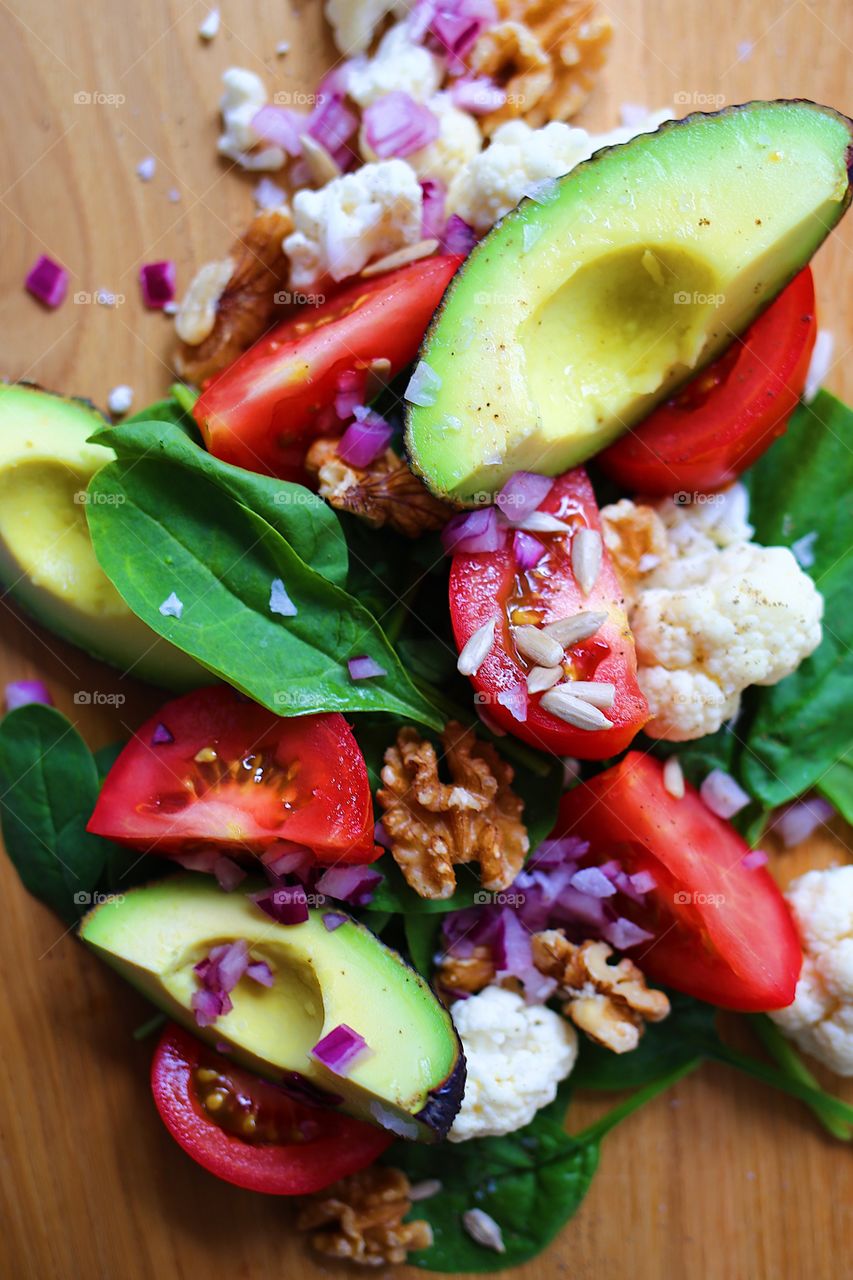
397	65
459	140
516	1053
360	216
353	22
520	157
820	1020
711	611
245	94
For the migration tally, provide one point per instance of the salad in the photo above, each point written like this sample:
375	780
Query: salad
491	558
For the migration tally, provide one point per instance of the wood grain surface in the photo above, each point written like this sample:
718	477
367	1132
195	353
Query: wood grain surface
719	1180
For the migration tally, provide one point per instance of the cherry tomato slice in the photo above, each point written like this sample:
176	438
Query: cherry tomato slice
212	771
490	585
250	1132
723	931
262	411
730	413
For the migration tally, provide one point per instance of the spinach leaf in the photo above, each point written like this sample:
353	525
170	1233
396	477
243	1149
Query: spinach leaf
49	788
688	1033
803	487
837	785
421	933
175	525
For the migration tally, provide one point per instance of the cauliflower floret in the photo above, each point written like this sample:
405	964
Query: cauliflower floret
714	614
516	1053
459	140
353	22
520	157
397	65
359	216
243	98
820	1020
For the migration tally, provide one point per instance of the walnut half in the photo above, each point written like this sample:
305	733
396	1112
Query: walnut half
361	1217
384	493
610	1002
432	825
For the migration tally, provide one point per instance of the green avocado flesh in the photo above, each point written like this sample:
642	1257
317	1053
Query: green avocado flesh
588	305
47	563
411	1080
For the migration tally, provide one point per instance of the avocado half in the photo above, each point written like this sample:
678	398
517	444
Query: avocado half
599	295
47	563
413	1078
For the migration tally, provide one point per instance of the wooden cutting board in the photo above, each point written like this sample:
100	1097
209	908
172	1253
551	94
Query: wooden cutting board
719	1180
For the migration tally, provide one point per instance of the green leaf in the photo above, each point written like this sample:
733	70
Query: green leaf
175	525
49	788
665	1046
421	934
837	786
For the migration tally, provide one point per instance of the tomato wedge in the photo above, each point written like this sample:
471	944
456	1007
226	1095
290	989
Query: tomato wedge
730	413
250	1132
723	931
262	411
486	585
212	771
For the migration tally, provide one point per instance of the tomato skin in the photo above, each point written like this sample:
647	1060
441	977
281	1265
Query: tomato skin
478	580
342	1145
724	932
328	808
730	413
262	411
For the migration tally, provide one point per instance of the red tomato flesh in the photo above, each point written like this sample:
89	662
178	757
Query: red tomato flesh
730	413
262	411
250	1132
723	932
236	777
481	581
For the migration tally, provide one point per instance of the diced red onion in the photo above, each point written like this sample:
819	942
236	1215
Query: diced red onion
755	858
332	123
364	668
280	126
351	388
523	493
624	934
20	693
232	964
424	386
593	881
527	551
434	198
458	236
333	920
515	700
366	438
643	881
158	284
473	531
161	736
286	904
47	281
259	971
285	859
554	851
209	1005
722	795
511	949
455	26
339	1049
354	884
574	907
397	125
479	96
798	822
228	873
381	836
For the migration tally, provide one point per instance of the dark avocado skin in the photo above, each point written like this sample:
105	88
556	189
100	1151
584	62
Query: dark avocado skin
444	1102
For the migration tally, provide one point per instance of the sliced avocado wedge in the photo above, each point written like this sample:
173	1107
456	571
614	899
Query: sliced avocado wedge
593	301
47	563
412	1079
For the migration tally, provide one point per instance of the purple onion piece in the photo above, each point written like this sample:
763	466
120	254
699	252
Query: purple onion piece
339	1049
286	904
260	972
365	439
333	920
364	668
527	550
157	280
471	532
434	198
523	493
397	125
458	236
624	934
228	873
281	127
47	281
593	881
353	884
21	693
755	858
161	736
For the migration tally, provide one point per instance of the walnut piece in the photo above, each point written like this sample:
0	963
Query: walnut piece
433	825
610	1002
252	298
361	1218
472	973
385	493
545	55
635	537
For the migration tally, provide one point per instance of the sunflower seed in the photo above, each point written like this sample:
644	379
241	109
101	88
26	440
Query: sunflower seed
562	703
482	1228
544	650
673	778
597	692
586	558
477	649
541	678
541	522
569	631
425	1190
